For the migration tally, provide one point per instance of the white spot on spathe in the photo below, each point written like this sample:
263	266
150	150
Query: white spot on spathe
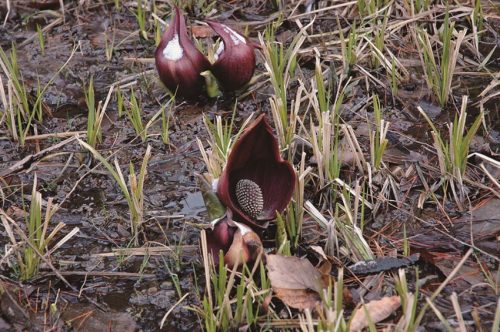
215	184
216	221
243	228
173	51
235	37
219	51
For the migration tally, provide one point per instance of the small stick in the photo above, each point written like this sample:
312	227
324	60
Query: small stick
8	13
57	135
30	158
100	274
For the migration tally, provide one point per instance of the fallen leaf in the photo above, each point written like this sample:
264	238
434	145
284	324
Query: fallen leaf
293	273
377	310
298	298
202	31
470	272
483	223
325	268
295	281
16	213
320	252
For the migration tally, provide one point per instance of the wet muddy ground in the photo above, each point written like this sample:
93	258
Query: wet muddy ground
132	289
95	204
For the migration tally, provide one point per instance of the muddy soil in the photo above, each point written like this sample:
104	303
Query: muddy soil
92	201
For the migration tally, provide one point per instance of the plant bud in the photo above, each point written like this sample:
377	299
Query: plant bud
235	59
238	242
178	61
246	247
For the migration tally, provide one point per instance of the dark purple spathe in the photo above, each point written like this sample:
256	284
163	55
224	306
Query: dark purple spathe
236	63
256	157
183	74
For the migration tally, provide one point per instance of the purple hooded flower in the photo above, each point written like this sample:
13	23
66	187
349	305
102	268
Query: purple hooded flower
178	61
256	182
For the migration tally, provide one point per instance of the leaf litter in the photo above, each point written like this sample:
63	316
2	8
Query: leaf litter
295	281
418	210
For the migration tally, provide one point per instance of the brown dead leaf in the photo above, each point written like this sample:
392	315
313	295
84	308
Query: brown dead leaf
298	298
470	272
482	224
293	273
202	31
378	311
16	213
325	267
319	250
295	281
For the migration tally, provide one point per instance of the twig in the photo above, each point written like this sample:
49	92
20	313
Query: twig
26	161
7	14
171	309
99	274
56	135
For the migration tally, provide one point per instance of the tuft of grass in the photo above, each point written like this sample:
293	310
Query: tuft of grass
201	8
95	115
439	72
20	113
477	21
409	302
324	137
460	141
19	108
394	78
166	113
330	314
35	234
134	192
295	210
368	8
119	101
351	223
477	17
378	140
379	27
324	127
453	152
134	115
348	48
232	299
140	16
158	26
323	92
281	64
420	5
109	45
220	141
346	223
41	40
283	246
94	133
